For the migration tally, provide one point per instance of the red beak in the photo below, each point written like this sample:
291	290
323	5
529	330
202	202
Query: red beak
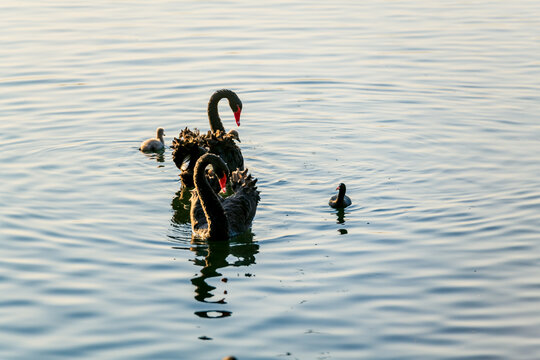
337	188
223	183
237	115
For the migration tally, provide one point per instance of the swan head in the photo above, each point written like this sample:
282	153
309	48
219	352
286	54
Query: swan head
233	134
236	107
223	183
219	168
341	187
221	174
160	132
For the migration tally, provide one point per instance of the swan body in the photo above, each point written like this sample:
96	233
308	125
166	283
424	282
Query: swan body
215	218
187	148
340	200
154	145
222	144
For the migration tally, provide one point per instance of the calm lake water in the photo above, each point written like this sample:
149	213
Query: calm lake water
428	111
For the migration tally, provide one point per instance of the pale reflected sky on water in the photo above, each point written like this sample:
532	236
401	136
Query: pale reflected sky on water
428	111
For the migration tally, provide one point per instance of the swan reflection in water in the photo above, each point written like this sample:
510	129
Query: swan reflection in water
340	213
181	204
211	257
159	157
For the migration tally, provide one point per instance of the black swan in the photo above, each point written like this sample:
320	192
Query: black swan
340	200
216	141
215	218
154	145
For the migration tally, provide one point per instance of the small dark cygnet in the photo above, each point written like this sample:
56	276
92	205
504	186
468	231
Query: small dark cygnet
340	200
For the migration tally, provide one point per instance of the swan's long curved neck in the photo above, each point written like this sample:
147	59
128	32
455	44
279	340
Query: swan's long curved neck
213	115
218	226
194	155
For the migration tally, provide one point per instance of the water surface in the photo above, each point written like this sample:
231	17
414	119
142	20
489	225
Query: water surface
427	111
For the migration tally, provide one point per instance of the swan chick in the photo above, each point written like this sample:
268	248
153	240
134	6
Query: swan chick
154	145
233	134
340	200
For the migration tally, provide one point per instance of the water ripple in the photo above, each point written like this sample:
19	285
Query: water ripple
428	112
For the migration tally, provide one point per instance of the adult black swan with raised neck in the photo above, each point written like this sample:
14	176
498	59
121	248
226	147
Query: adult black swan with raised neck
217	219
216	141
340	200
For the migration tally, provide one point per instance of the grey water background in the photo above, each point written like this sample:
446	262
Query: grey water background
428	111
